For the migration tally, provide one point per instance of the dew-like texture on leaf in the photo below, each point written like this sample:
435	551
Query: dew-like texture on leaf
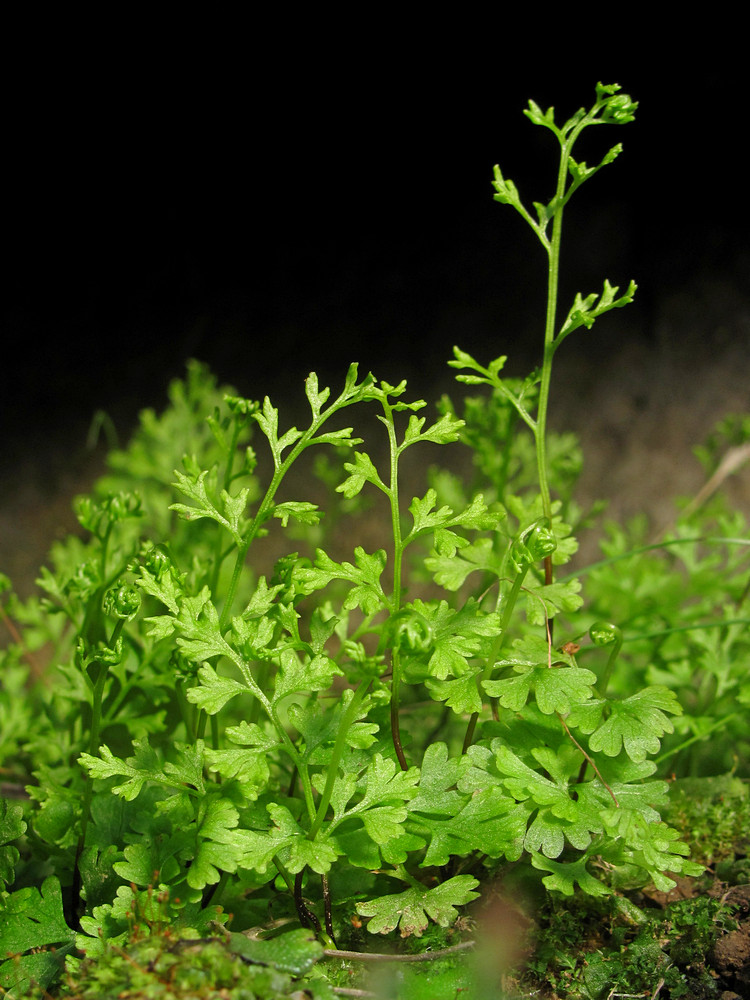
214	691
386	790
249	767
634	724
361	471
552	599
412	910
563	808
451	638
455	822
460	693
300	511
490	822
194	488
33	918
557	689
367	592
304	674
566	875
148	860
294	951
450	568
57	818
287	839
437	793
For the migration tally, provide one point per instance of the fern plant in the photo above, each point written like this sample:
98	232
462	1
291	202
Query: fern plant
341	741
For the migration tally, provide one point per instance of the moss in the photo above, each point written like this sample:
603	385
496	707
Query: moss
162	967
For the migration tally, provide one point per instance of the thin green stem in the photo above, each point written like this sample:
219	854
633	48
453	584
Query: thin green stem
94	734
105	547
218	558
406	876
553	272
610	560
696	739
96	708
497	645
398	554
553	253
348	719
261	516
200	729
282	870
604	680
279	727
696	626
266	505
307	790
187	711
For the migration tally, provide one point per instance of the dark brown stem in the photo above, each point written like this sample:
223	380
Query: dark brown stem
582	771
327	907
396	734
306	916
588	760
469	738
548	578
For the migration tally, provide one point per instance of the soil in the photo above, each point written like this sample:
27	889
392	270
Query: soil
731	953
730	956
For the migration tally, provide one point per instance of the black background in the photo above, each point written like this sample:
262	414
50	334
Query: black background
272	209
